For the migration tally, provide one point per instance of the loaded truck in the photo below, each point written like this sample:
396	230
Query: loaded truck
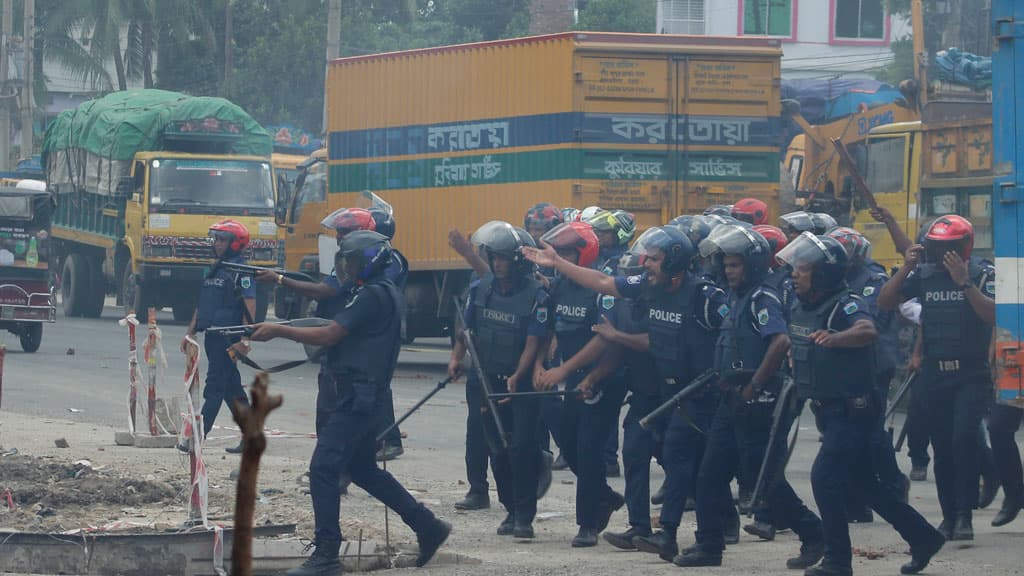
139	177
659	125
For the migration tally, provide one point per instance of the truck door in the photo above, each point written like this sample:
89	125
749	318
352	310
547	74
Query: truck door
625	135
1008	194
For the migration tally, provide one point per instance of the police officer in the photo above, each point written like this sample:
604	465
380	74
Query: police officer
585	424
832	335
226	299
683	314
957	296
749	352
865	278
779	277
795	223
364	339
508	312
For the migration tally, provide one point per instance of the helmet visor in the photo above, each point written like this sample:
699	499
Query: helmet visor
632	263
490	233
800	221
728	240
805	250
653	240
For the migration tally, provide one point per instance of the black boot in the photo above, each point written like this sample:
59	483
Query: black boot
431	539
762	530
663	543
624	540
616	501
698	557
919	473
585	538
474	501
920	556
810	554
1007	513
507	525
946	528
963	529
824	569
860	515
323	561
987	492
523	531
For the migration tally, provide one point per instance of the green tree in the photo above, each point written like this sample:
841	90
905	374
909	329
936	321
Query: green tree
618	16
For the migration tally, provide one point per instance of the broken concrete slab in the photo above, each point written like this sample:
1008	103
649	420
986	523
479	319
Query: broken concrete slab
124	439
144	441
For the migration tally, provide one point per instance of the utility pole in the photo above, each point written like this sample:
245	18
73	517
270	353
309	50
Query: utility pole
5	111
27	104
229	61
333	47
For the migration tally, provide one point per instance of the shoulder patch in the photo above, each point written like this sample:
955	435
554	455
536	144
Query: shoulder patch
762	316
542	314
850	308
635	279
869	290
246	282
723	310
607	302
608	270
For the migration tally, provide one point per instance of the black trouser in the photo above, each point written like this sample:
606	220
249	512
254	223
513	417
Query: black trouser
956	403
844	459
477	452
223	382
1003	423
515	467
721	461
883	457
639	445
387	418
348	445
585	429
917	424
682	453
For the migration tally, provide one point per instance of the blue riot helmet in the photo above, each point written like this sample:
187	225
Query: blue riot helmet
825	254
671	241
368	251
736	240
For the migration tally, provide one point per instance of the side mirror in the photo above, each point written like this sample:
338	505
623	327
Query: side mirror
125	187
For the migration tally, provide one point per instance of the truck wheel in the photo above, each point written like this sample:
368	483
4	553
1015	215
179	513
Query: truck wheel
93	306
75	285
31	336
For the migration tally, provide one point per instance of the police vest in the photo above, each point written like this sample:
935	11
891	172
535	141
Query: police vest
887	346
950	327
220	299
828	373
740	345
501	324
576	310
681	346
779	280
369	355
641	373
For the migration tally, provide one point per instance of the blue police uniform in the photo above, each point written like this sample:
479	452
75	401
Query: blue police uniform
682	327
610	258
501	322
221	303
955	374
755	317
360	366
846	411
585	425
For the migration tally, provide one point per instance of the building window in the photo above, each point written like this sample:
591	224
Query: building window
859	19
682	16
768	17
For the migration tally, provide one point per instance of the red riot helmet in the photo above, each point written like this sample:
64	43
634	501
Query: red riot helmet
235	232
544	215
776	238
750	210
951	233
578	236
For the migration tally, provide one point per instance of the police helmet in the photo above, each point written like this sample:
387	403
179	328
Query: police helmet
498	238
696	228
776	239
718	210
384	222
589	212
822	222
858	248
372	250
669	240
235	232
544	215
345	220
951	233
825	254
577	236
631	263
736	240
750	210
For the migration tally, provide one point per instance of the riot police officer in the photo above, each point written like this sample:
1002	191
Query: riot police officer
364	339
750	210
749	352
957	296
823	222
832	334
226	299
508	311
795	223
586	424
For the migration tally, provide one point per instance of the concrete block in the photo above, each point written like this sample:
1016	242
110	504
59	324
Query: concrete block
145	441
124	439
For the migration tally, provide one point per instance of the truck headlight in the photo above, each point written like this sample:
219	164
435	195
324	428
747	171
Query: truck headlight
161	251
263	254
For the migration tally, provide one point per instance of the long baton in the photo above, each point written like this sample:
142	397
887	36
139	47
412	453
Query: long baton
437	388
900	393
533	394
484	382
777	415
670	404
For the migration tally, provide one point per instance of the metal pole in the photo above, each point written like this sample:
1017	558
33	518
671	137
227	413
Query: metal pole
333	46
27	104
5	112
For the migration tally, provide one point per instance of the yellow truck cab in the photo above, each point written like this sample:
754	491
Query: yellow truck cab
300	227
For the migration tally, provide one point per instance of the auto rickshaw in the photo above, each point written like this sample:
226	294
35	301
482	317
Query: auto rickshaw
27	296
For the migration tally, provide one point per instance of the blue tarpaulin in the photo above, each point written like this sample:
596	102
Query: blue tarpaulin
822	101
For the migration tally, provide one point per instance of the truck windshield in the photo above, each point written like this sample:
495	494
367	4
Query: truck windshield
194	185
886	156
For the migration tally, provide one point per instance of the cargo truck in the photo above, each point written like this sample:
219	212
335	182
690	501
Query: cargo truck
139	177
659	125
